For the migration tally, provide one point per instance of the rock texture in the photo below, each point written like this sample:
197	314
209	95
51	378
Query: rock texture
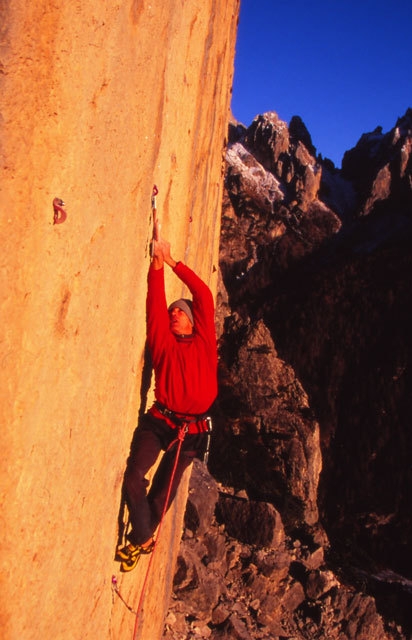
312	441
99	101
268	587
268	436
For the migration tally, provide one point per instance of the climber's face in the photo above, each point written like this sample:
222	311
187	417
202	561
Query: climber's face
180	324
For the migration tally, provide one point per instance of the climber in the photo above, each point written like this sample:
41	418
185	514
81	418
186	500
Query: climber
182	344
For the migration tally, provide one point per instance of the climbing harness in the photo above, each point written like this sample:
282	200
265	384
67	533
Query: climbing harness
59	213
196	423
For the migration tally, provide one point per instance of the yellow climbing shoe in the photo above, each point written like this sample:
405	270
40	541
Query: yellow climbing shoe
125	553
129	555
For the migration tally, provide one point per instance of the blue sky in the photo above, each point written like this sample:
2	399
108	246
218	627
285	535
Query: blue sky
343	66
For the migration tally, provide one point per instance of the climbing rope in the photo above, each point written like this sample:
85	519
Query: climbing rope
181	433
182	430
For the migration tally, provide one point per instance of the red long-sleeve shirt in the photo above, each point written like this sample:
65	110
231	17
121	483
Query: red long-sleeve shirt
185	367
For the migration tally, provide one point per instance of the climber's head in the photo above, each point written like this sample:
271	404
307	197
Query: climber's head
181	317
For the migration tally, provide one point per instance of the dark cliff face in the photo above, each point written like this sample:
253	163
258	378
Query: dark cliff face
325	263
314	411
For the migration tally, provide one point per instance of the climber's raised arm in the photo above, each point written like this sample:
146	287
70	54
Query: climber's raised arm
161	249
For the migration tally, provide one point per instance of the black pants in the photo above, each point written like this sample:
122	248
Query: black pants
152	436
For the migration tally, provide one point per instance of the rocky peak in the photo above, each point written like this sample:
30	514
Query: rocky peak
268	136
299	133
380	168
287	153
273	187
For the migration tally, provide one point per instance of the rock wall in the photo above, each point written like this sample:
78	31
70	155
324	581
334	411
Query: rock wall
327	273
99	102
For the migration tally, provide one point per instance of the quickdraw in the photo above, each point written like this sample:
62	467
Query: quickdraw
115	589
154	214
59	213
154	194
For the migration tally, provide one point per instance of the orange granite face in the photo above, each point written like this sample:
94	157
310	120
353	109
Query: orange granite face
99	102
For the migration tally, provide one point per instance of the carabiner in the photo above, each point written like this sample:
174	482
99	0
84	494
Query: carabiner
154	194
